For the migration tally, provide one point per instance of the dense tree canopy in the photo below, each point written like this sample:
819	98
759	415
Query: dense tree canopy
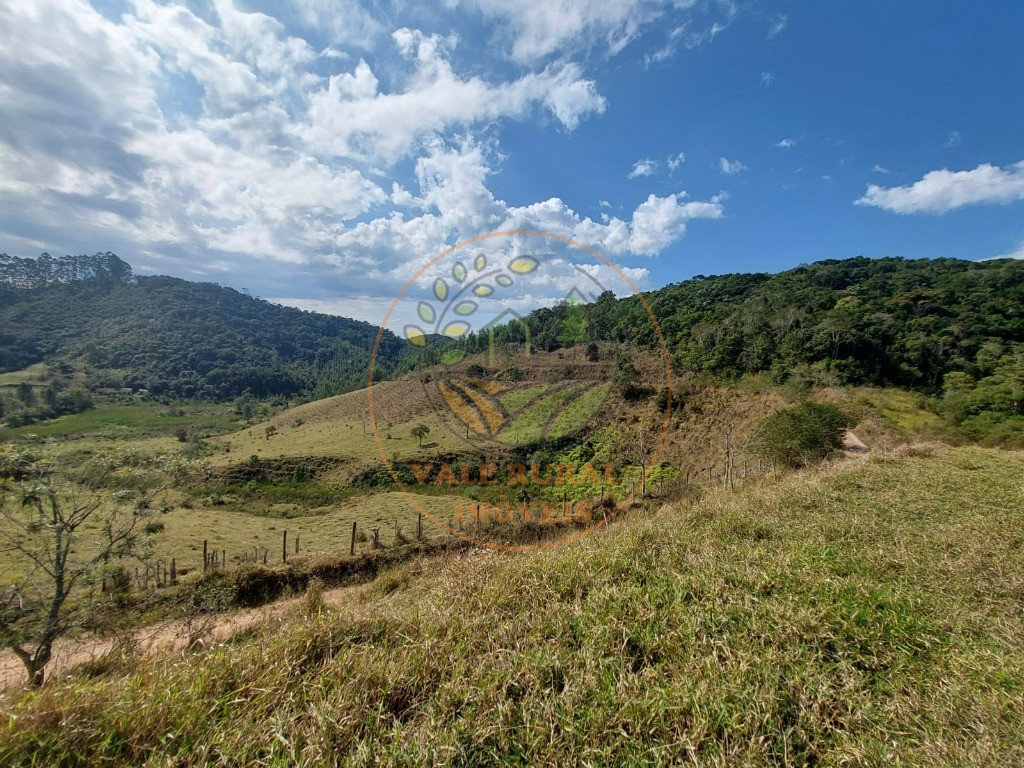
184	339
875	321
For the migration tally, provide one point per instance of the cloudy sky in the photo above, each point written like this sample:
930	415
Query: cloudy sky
319	152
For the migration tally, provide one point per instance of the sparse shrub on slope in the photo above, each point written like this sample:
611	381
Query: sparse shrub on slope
798	436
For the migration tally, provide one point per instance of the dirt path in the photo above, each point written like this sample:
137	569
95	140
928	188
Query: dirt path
854	447
166	637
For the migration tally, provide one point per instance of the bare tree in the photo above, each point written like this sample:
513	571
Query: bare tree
733	448
634	445
730	454
60	528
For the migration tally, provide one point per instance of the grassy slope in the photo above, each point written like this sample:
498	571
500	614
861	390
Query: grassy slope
239	532
848	616
34	374
339	426
902	410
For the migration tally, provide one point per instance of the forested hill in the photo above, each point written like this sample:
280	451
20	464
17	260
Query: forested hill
176	337
876	321
47	270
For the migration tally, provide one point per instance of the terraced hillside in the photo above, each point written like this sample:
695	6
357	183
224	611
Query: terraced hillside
550	396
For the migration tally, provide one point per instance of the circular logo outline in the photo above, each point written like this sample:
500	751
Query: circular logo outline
412	497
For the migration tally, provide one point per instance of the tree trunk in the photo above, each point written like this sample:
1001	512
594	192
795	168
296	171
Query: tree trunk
36	674
35	666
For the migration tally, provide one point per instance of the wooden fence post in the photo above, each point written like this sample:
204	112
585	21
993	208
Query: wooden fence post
419	527
352	547
206	558
174	571
284	547
297	537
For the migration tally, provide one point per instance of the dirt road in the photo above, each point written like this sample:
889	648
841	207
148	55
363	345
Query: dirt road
167	637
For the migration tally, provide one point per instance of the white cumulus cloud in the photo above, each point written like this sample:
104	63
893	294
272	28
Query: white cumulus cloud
730	168
641	168
659	221
537	29
1017	254
323	139
945	190
351	118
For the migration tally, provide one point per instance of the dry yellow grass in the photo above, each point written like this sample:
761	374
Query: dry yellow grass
341	426
862	615
240	533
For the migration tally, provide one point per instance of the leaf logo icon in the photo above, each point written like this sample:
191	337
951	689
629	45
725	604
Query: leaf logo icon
480	283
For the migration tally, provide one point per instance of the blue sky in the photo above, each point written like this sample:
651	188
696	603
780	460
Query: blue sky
319	152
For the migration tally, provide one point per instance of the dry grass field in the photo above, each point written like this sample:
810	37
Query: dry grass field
239	533
863	614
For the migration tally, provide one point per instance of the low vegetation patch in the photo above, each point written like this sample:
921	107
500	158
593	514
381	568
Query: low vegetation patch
805	433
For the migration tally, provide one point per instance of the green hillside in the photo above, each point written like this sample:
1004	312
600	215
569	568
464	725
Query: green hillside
888	322
175	337
950	329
